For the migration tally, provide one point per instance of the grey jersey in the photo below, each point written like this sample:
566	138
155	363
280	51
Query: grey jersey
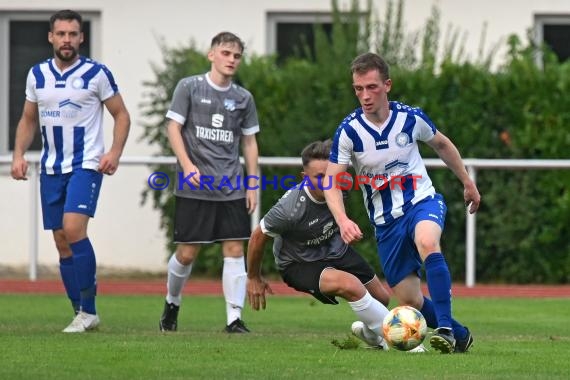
303	229
213	120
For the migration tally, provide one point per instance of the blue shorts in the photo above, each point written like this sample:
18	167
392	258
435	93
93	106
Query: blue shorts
77	192
397	251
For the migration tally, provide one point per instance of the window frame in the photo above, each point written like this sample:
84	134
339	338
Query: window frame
540	21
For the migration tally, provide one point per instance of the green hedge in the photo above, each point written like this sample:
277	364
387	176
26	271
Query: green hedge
517	111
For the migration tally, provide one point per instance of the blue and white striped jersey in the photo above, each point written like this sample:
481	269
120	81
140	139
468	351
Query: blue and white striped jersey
70	105
394	176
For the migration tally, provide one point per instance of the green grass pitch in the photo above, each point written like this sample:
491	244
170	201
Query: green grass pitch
514	339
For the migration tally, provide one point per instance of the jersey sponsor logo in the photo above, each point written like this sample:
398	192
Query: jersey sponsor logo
69	103
382	144
67	110
205	101
396	164
49	113
230	104
214	134
395	179
328	233
313	222
217	120
82	206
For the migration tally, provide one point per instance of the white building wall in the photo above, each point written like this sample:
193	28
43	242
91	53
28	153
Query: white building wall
126	235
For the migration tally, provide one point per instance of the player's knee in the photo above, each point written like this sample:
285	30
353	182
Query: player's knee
343	284
63	248
427	244
186	254
414	300
73	233
350	285
233	249
61	243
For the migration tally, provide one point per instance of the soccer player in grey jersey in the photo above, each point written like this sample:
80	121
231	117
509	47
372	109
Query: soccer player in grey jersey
311	255
210	117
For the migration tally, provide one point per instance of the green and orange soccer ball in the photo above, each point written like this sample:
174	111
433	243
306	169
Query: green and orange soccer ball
404	328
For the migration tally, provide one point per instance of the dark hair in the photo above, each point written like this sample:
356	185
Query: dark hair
227	38
65	14
317	150
370	61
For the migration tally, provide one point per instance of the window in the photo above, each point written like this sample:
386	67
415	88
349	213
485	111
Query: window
23	43
554	31
288	32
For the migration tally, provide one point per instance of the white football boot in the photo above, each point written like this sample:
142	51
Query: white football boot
373	340
82	322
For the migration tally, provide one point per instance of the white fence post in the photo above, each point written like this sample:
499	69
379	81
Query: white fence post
34	207
470	238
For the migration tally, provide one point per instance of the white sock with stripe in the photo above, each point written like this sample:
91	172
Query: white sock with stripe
178	274
371	312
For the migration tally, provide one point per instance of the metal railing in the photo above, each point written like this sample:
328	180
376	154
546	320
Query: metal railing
472	165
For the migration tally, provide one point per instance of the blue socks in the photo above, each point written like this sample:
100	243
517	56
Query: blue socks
70	283
439	286
85	265
428	312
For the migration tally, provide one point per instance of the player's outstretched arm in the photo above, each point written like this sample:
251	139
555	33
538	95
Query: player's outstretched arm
256	285
24	137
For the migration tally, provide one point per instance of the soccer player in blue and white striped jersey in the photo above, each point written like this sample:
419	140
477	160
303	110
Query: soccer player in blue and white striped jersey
381	139
65	96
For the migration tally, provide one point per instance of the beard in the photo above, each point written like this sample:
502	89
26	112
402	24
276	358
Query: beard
72	53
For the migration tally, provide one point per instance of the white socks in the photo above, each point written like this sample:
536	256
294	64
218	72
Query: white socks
177	276
233	284
371	312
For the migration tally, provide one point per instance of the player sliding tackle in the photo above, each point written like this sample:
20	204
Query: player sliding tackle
311	256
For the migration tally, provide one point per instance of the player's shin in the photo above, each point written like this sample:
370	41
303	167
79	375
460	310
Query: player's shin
370	311
439	285
234	286
70	283
85	269
178	274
